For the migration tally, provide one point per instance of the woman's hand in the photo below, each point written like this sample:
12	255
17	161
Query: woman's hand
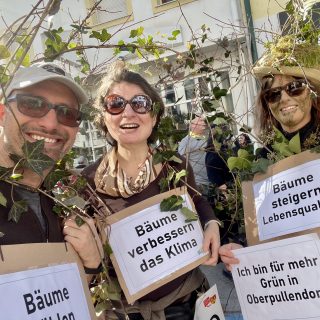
227	255
211	242
83	241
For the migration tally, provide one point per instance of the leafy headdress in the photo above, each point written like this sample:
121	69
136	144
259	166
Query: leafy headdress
289	56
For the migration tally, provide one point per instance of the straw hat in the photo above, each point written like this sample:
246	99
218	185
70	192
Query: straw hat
288	57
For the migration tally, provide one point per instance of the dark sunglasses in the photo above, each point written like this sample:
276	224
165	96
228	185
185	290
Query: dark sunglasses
293	89
38	107
115	104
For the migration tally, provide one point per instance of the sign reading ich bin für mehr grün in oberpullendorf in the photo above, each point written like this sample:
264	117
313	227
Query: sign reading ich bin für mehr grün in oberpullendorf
50	293
288	201
279	279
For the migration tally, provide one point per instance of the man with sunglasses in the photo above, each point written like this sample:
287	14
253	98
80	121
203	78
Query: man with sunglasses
42	102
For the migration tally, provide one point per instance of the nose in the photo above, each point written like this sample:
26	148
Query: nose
49	121
128	111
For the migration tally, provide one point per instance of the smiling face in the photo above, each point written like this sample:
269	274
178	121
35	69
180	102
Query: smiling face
129	128
58	138
292	113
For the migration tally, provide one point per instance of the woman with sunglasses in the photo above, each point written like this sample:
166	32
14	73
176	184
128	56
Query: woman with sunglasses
289	100
130	111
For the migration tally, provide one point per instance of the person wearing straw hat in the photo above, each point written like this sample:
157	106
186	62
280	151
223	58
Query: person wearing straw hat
289	100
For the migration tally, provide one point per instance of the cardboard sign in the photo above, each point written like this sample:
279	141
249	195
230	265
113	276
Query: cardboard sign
285	200
150	247
208	306
43	281
280	279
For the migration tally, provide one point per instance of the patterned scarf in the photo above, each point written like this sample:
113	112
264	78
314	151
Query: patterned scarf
112	180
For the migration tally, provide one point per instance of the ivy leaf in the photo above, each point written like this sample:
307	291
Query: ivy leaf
294	144
16	176
242	153
282	148
102	306
75	201
35	159
219	121
3	200
261	165
189	214
175	159
79	221
218	93
53	177
103	36
172	203
107	249
4	172
17	209
114	290
179	175
238	163
136	32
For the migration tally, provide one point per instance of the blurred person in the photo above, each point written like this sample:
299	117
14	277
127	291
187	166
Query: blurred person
192	147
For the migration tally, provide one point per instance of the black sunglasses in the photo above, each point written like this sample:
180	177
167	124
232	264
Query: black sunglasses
293	89
38	107
115	104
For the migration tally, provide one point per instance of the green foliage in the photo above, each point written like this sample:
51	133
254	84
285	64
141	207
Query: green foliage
173	203
189	214
34	158
103	36
3	200
17	209
4	52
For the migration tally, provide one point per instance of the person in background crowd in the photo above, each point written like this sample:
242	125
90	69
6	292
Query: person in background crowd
41	103
130	111
243	141
192	147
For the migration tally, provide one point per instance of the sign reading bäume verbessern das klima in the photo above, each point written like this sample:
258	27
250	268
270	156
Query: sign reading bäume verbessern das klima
150	245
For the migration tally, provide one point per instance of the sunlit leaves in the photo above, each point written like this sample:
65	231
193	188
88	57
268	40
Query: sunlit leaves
136	32
17	209
103	36
4	52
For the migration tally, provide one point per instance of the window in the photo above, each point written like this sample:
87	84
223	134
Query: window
187	96
112	12
164	1
163	5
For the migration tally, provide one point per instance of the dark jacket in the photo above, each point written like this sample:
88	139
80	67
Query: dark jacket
116	204
28	229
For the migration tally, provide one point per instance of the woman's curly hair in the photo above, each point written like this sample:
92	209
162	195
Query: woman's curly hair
116	74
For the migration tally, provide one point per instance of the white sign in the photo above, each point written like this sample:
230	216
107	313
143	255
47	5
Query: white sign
51	293
280	279
150	245
208	306
289	201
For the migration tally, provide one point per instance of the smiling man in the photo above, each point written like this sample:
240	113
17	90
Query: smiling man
42	102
